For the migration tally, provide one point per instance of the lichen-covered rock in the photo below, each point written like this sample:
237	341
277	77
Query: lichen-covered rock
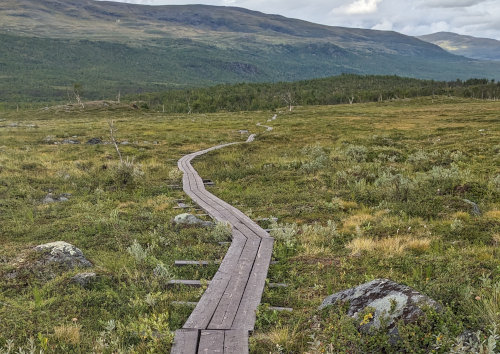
190	220
383	299
84	279
70	141
51	198
63	253
475	210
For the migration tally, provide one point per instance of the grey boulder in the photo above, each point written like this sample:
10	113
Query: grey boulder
63	253
190	220
387	301
84	279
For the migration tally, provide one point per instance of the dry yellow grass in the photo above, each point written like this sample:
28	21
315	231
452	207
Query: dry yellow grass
68	334
279	337
356	220
389	246
493	214
496	239
461	215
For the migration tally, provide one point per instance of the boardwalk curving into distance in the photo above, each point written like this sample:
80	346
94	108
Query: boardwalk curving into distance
225	314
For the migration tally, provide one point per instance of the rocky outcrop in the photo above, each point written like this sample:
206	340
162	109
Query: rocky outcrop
62	253
382	299
45	262
190	220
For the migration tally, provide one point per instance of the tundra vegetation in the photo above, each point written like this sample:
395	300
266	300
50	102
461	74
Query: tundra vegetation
361	191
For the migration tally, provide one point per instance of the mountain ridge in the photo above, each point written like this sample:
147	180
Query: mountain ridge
468	46
110	46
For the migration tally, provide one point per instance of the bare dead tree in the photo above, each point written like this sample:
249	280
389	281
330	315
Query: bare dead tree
77	91
287	97
118	96
189	105
351	99
112	131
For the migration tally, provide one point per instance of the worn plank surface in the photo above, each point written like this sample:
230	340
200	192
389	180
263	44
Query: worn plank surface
185	341
211	342
226	312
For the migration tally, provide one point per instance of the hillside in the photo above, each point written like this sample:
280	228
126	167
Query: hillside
110	47
468	46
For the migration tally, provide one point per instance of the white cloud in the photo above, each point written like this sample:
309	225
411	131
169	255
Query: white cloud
385	25
358	7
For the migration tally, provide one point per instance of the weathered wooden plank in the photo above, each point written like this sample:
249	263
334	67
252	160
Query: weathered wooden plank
228	306
185	303
201	315
245	318
233	253
194	283
185	341
211	342
277	285
180	263
236	342
275	308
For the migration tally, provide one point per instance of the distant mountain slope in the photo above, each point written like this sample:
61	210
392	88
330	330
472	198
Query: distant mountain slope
108	46
468	46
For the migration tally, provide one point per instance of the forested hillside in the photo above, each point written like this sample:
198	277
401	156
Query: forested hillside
347	88
49	45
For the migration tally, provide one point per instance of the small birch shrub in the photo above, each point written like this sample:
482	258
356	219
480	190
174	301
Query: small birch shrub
221	232
137	252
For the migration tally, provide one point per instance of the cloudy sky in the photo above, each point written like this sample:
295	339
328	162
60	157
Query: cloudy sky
414	17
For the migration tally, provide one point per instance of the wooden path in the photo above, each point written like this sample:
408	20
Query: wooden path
225	314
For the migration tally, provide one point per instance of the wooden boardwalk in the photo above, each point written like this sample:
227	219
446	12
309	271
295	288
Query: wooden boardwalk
225	314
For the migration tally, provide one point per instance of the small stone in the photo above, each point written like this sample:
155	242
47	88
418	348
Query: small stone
125	143
84	279
48	139
243	131
189	219
48	199
94	141
70	141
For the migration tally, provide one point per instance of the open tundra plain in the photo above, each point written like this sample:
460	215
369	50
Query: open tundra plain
406	189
